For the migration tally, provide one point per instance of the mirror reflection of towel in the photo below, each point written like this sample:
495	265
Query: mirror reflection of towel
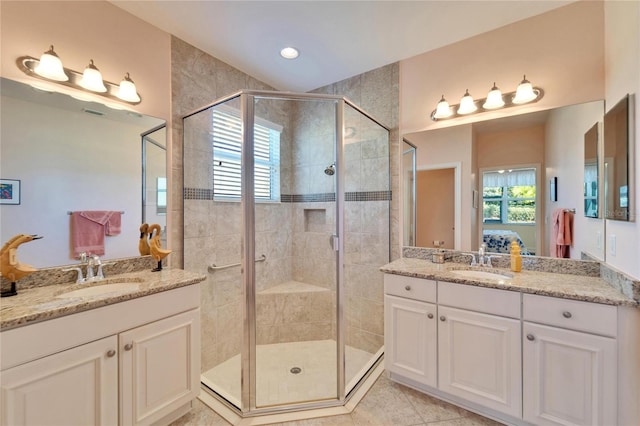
88	229
561	233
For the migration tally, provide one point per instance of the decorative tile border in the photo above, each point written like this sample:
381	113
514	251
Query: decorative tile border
322	197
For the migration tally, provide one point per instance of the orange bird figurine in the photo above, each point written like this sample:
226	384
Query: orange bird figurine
143	245
10	267
155	246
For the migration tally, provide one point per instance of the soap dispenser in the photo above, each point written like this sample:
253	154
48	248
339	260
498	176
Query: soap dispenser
516	258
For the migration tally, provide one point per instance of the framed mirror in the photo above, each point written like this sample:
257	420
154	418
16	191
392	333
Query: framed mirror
617	173
552	141
70	156
591	172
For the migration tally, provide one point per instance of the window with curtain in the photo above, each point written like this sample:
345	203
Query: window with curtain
509	196
227	147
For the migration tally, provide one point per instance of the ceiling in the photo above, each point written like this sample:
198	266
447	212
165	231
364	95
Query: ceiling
336	39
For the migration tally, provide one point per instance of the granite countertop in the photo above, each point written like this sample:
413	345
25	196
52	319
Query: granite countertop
41	303
576	287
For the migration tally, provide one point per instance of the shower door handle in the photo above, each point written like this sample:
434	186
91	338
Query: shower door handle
334	242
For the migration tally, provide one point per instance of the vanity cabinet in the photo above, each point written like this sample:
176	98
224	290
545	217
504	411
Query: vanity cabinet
521	358
76	387
569	362
130	363
411	328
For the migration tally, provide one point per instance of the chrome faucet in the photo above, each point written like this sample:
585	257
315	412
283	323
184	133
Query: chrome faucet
93	260
483	260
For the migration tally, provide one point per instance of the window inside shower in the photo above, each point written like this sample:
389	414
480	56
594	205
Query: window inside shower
288	326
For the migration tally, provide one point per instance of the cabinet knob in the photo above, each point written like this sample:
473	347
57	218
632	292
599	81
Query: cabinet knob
566	314
407	287
443	318
430	316
111	353
128	346
531	337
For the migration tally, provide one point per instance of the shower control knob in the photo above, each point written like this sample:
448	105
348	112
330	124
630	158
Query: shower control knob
430	316
407	287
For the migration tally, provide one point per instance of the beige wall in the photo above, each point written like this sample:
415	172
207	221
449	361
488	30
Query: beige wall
560	51
511	148
117	41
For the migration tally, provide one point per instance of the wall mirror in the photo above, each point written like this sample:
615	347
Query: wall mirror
617	173
409	194
538	146
591	171
70	155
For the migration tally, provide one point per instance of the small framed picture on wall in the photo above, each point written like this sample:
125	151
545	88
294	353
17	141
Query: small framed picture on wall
9	191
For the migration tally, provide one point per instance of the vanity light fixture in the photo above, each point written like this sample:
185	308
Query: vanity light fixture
92	79
49	68
443	110
467	104
525	93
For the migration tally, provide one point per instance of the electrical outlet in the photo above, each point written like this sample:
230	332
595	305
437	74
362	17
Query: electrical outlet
612	245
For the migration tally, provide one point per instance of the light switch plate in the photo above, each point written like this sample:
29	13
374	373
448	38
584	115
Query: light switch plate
612	245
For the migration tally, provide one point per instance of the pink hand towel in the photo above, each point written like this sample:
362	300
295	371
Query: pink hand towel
113	225
86	235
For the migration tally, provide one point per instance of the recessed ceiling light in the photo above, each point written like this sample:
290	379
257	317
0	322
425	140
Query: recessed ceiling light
289	53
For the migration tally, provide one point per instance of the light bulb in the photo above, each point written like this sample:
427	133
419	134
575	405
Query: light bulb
524	92
50	66
467	105
92	79
442	110
128	90
494	99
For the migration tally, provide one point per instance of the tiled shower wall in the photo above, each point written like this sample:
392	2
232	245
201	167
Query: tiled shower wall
197	80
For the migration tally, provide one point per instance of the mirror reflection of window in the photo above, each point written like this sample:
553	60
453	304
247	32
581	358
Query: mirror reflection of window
509	209
161	195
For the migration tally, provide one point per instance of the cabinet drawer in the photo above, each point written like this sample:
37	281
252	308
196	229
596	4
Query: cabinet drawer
480	299
571	314
409	287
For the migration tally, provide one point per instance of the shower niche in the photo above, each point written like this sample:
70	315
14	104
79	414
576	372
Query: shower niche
300	328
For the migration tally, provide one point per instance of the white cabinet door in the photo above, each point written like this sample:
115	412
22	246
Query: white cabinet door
569	377
411	339
78	386
479	359
159	368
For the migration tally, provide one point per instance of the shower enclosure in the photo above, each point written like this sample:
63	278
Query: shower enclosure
286	210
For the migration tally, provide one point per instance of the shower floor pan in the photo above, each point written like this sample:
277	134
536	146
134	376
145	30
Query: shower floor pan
288	372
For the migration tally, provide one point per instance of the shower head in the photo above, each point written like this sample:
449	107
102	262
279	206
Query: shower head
330	170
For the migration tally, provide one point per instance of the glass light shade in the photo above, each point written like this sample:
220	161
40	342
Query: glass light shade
50	66
467	105
442	110
524	92
494	99
289	53
128	90
92	79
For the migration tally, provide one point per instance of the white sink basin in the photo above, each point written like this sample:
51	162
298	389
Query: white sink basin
482	275
101	290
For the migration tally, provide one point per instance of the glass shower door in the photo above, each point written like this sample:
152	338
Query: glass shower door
295	272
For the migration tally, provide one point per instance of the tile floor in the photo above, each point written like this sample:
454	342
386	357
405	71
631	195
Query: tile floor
386	404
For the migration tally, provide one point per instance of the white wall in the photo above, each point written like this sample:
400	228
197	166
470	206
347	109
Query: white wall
62	170
622	76
565	131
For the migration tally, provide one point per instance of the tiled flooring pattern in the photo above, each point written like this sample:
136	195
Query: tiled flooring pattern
386	404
